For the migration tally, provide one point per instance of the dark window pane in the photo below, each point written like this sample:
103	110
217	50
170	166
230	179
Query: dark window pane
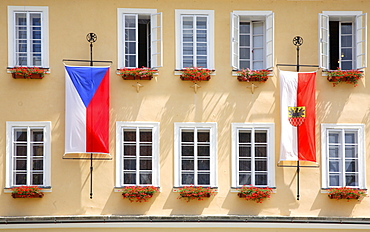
203	150
129	164
20	150
333	179
244	136
129	178
204	165
187	136
244	151
145	178
37	179
245	179
187	179
20	179
352	179
20	164
260	137
37	164
145	136
333	166
129	135
261	151
145	150
37	135
187	150
245	165
333	151
203	136
187	164
37	150
350	137
129	150
261	179
204	179
145	164
261	165
333	137
351	166
20	135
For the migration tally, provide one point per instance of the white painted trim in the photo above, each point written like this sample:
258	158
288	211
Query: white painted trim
193	225
120	27
342	13
212	126
154	126
270	127
47	141
361	151
211	35
45	32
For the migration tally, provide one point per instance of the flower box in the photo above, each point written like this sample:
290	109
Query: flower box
195	193
345	76
248	75
27	72
27	192
346	193
136	73
254	193
139	193
195	74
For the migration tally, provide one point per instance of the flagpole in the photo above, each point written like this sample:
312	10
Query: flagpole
91	175
298	41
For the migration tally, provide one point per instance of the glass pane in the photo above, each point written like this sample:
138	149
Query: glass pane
204	179
187	136
257	65
245	179
346	65
203	136
346	53
187	179
202	61
258	28
352	179
37	150
21	19
146	150
37	164
37	179
35	19
244	136
187	36
188	49
20	150
333	151
203	150
145	164
204	165
187	164
187	62
346	41
261	151
351	151
129	164
261	165
260	137
37	135
187	22
130	21
20	135
346	28
351	166
201	22
20	179
334	180
20	164
131	49
201	36
129	150
333	166
202	49
129	135
129	178
244	28
36	34
145	178
244	53
245	165
130	61
245	64
257	41
244	151
130	35
145	136
261	179
244	40
187	150
257	55
350	137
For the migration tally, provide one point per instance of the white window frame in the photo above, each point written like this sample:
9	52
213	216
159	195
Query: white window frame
44	34
212	127
263	16
156	35
270	128
210	36
360	129
9	150
360	36
154	126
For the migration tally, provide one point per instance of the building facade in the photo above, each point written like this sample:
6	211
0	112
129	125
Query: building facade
170	133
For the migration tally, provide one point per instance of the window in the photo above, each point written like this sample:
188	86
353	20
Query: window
252	40
28	36
28	153
139	38
195	154
342	40
253	154
194	38
343	155
138	154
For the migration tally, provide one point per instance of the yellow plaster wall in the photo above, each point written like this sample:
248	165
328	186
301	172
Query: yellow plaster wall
167	99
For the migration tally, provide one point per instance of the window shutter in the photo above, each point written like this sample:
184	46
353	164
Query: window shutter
361	34
324	41
156	40
269	41
234	41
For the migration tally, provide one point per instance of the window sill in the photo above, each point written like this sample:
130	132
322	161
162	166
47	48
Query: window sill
234	73
178	72
47	70
119	189
236	189
326	190
45	189
176	189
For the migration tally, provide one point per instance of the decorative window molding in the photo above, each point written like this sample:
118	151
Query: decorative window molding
194	39
343	155
139	38
253	154
345	48
137	146
252	40
28	36
195	154
28	154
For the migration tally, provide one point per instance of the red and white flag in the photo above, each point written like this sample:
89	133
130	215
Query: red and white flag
298	116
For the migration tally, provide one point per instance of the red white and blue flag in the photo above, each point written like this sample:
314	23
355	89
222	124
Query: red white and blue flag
298	116
87	109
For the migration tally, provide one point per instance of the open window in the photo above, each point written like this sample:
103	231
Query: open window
252	40
342	40
139	38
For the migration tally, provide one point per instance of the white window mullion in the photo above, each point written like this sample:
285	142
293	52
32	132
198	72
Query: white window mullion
253	158
28	156
137	171
196	156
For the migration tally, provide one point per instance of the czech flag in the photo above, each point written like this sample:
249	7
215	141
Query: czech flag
87	109
298	116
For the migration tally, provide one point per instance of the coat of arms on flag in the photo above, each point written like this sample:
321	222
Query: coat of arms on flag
296	115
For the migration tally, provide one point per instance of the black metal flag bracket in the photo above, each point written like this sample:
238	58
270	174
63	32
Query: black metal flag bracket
91	38
298	41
